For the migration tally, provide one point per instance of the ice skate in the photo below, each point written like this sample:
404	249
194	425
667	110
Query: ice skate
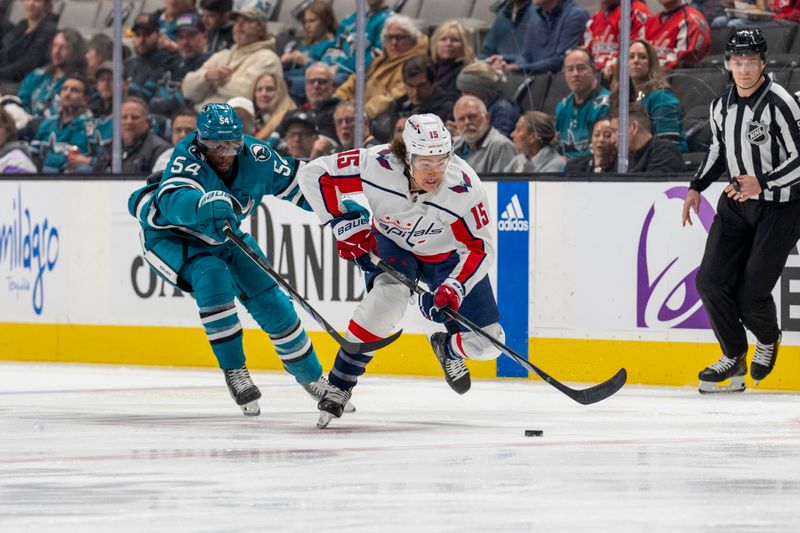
456	372
713	378
332	405
243	391
317	390
764	359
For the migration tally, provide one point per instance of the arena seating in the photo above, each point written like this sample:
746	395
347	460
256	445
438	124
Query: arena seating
784	46
694	87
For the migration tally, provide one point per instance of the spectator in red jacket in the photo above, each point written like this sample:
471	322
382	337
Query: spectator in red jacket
680	34
601	37
788	10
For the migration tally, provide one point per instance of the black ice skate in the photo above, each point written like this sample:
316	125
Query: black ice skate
332	404
317	390
456	372
243	391
764	359
712	379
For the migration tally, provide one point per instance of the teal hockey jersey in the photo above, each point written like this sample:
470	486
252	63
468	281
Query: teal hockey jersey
171	203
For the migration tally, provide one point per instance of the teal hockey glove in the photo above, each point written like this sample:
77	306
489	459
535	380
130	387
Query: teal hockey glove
214	209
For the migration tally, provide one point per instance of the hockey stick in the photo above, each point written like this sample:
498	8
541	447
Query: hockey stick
588	396
351	347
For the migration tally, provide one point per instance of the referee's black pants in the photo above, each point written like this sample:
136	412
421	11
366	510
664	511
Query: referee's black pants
747	247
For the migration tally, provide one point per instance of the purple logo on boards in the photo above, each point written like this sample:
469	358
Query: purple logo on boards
666	295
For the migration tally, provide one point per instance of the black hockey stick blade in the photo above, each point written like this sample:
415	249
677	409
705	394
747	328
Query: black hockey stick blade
588	396
593	394
349	346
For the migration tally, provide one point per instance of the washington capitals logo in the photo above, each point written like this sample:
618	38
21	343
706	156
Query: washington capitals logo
464	186
383	160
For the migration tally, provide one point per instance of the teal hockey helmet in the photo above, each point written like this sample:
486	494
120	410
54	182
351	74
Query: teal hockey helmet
219	128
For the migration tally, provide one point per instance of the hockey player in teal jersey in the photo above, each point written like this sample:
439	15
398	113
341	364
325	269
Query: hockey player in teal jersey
218	175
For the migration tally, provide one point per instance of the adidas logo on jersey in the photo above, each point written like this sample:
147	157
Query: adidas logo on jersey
513	219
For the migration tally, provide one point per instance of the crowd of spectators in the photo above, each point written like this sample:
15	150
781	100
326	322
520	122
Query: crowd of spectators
298	93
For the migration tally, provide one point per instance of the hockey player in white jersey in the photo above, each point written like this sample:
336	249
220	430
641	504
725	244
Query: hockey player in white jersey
430	221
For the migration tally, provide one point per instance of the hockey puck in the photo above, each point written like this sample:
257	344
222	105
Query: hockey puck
534	433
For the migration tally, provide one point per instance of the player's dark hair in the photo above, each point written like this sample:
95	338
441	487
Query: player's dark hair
398	149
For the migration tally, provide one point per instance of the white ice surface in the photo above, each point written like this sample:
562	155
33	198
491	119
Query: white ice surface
118	449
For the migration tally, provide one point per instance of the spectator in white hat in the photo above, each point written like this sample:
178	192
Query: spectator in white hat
246	110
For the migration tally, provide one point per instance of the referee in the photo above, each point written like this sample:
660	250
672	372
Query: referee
756	138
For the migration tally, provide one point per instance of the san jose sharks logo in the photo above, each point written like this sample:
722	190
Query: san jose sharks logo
197	153
383	159
572	144
260	152
464	186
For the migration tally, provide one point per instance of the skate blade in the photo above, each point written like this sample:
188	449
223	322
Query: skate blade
251	408
709	387
324	419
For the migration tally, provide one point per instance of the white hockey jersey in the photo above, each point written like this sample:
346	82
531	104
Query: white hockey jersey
453	218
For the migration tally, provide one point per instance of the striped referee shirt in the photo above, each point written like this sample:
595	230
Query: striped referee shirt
758	136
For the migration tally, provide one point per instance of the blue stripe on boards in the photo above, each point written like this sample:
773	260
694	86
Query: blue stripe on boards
513	228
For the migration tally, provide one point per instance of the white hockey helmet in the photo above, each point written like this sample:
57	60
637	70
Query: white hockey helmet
426	135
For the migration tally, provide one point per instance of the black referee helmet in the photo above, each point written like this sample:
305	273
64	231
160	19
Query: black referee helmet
746	41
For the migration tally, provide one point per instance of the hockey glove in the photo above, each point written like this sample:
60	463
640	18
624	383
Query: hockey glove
214	209
449	294
351	206
354	239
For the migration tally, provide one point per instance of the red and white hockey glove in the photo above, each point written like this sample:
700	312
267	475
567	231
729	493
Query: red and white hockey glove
354	239
449	294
